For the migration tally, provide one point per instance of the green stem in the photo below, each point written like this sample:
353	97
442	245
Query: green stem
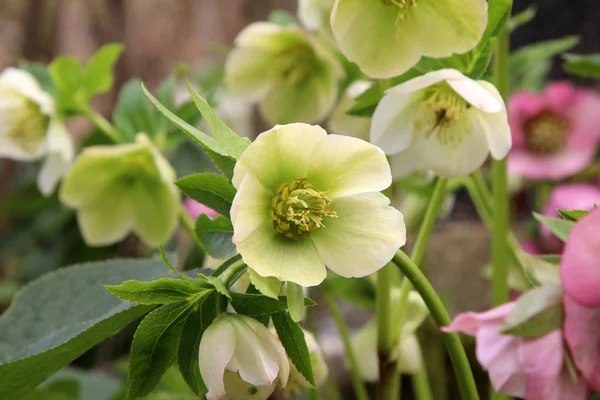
359	386
387	387
106	127
232	274
421	385
188	225
458	357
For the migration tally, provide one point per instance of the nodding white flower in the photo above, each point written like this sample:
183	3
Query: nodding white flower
388	37
241	360
315	15
121	189
342	123
307	200
291	74
441	121
30	128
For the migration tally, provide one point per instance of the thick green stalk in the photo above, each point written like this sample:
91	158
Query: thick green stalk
106	127
458	357
421	385
359	386
388	385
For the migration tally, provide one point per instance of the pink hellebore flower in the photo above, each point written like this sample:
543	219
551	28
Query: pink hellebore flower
580	274
554	133
529	368
194	209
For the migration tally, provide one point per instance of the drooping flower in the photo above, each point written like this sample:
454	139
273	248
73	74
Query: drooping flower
307	200
344	124
441	121
194	209
388	37
315	15
240	359
555	133
530	368
30	128
291	74
121	189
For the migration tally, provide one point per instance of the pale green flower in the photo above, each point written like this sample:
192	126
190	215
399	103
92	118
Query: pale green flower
241	360
30	128
121	189
315	15
307	200
292	76
443	122
388	37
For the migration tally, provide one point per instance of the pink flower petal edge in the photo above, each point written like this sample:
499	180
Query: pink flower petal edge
194	209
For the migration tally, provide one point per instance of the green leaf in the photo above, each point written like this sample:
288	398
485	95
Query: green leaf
218	285
215	152
161	291
573	215
269	286
216	236
295	301
498	15
233	144
584	65
98	75
154	347
536	313
282	18
522	18
193	328
61	315
293	341
67	75
256	305
133	113
559	227
212	190
91	385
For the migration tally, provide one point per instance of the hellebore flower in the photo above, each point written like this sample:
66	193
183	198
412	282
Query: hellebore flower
30	128
530	368
349	125
555	133
122	189
441	121
315	15
291	74
388	37
307	200
240	359
570	196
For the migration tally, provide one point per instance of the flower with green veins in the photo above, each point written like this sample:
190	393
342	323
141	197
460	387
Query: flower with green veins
441	121
121	189
307	200
388	37
30	128
291	74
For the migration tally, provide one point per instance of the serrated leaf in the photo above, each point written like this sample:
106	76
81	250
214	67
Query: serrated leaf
268	286
256	305
154	347
216	236
295	301
573	215
98	75
559	227
64	313
193	328
218	285
293	341
212	190
536	313
233	143
161	291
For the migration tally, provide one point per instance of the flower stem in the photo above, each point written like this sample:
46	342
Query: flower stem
106	127
188	225
359	386
458	357
421	385
388	385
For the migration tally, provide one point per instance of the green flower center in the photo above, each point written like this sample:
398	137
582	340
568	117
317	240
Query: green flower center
27	126
444	106
546	133
297	64
298	208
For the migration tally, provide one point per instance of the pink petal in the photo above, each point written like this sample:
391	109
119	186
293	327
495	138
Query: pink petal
522	106
531	247
582	333
470	322
567	389
559	96
553	166
542	361
580	265
584	119
194	209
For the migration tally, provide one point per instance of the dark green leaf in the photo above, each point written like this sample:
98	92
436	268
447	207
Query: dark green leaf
254	305
573	215
99	76
193	328
293	341
587	65
161	291
58	317
560	227
133	114
223	267
216	236
536	313
154	347
218	285
214	191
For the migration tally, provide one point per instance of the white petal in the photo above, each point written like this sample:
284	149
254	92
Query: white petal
426	80
274	347
344	166
394	121
250	207
59	140
410	358
495	126
404	163
364	237
55	166
364	344
476	94
24	83
217	346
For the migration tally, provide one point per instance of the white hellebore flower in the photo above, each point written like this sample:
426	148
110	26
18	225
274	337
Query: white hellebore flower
443	122
315	15
30	128
241	360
